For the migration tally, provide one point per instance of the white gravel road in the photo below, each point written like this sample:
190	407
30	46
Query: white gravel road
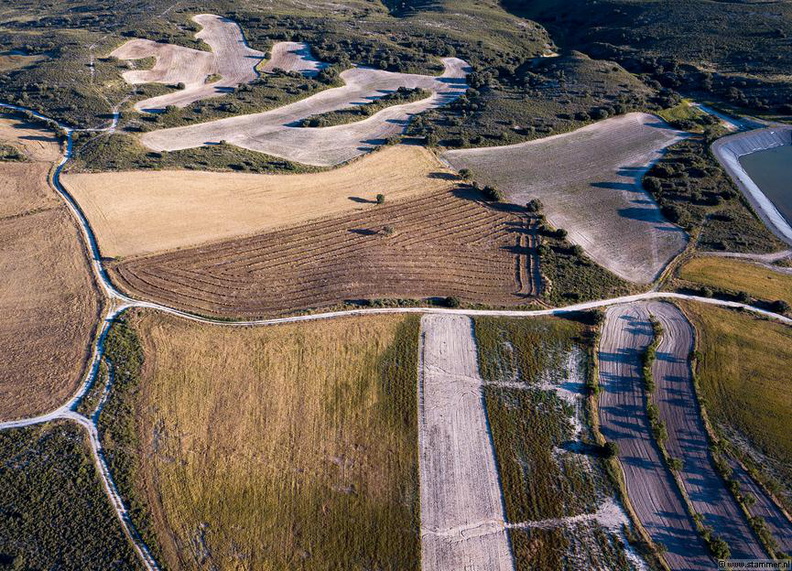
462	515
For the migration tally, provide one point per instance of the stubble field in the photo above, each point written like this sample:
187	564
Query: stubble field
138	212
48	298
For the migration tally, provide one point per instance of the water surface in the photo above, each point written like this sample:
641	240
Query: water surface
771	170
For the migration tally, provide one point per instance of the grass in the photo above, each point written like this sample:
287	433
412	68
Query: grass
538	483
55	514
737	276
686	118
286	447
742	367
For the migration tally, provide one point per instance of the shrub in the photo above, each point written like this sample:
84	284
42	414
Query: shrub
780	306
534	205
452	301
610	449
465	174
491	193
380	199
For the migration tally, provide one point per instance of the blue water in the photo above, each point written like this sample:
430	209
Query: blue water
771	170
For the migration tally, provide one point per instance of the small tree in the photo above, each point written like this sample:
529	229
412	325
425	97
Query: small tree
465	174
780	306
452	301
380	199
534	205
610	449
676	464
492	193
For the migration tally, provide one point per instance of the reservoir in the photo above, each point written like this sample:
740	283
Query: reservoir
771	170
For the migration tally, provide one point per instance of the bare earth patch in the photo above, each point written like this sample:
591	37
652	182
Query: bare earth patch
142	212
462	519
277	132
622	409
230	58
590	183
48	299
293	56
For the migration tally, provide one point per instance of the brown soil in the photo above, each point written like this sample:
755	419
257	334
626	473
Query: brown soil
48	299
442	244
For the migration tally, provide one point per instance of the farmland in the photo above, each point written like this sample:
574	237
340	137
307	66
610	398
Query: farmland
654	494
743	368
448	243
144	212
535	374
733	275
55	513
589	182
462	520
230	59
331	478
277	132
47	297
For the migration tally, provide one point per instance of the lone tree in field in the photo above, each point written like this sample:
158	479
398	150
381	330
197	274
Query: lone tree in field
380	198
465	174
534	205
491	193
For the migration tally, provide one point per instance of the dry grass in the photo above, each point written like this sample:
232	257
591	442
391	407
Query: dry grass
47	296
143	212
743	371
12	61
443	244
590	183
737	275
290	447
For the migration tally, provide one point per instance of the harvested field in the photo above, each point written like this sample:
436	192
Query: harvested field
137	212
230	58
761	281
292	56
277	448
590	183
622	410
443	244
462	519
277	132
687	437
47	296
743	371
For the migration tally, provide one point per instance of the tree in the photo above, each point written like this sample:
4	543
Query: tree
465	174
780	306
380	199
452	301
610	449
720	549
492	193
676	464
535	205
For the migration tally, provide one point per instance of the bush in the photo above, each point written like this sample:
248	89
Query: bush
380	199
720	549
610	449
780	306
465	174
534	205
452	301
491	193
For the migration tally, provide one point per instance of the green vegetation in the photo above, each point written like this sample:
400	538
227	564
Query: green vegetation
10	153
685	117
694	192
733	278
538	483
730	52
120	151
90	401
569	275
351	114
54	513
117	426
742	367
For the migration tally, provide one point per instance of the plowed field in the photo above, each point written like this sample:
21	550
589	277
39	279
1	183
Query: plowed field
442	244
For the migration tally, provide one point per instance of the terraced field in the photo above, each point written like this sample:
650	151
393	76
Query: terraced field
443	244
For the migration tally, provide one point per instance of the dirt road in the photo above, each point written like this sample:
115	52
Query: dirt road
687	436
462	517
651	487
